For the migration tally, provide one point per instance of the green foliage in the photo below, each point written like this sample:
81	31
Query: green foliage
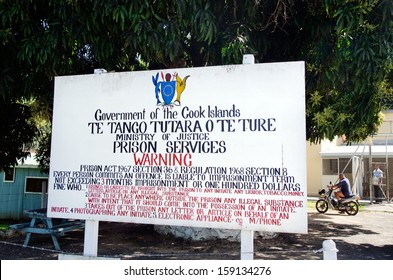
347	46
16	133
348	86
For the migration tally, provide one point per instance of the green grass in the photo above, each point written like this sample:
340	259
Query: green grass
311	204
3	227
5	223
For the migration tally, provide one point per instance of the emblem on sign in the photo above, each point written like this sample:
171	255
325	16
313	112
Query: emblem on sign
169	90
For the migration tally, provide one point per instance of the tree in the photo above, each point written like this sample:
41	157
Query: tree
347	46
350	71
16	133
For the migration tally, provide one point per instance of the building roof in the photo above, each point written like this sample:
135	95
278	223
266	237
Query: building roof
356	150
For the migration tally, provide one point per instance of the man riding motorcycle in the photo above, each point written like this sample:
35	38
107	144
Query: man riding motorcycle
343	188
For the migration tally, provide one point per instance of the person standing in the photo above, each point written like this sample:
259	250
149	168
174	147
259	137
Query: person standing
377	181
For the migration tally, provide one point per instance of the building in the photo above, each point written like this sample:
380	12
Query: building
22	189
329	158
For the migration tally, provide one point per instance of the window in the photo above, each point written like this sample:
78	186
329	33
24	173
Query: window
345	165
336	166
9	175
34	185
330	166
382	142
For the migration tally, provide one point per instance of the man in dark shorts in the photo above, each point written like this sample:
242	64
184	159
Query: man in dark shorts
342	188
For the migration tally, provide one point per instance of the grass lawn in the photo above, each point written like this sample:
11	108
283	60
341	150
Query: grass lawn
3	227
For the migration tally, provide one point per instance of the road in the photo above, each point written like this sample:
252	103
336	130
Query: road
368	235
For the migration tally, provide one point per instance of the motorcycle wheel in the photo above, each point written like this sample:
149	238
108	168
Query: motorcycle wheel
322	206
352	208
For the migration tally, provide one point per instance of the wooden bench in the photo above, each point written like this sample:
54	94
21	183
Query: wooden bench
20	226
41	224
59	229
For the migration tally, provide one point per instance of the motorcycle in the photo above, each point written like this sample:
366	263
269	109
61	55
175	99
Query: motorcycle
350	205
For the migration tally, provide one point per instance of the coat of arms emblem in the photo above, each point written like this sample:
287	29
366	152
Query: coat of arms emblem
169	90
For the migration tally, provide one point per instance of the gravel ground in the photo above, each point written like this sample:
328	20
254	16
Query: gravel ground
366	236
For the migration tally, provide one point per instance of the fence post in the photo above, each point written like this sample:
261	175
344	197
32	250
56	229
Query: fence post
329	250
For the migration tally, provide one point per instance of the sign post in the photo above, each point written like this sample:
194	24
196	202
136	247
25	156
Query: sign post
247	236
90	248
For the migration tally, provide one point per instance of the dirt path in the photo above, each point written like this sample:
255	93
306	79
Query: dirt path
367	236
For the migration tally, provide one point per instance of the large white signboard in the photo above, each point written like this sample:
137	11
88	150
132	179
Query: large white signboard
220	147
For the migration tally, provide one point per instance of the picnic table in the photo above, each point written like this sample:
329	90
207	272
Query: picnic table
42	224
